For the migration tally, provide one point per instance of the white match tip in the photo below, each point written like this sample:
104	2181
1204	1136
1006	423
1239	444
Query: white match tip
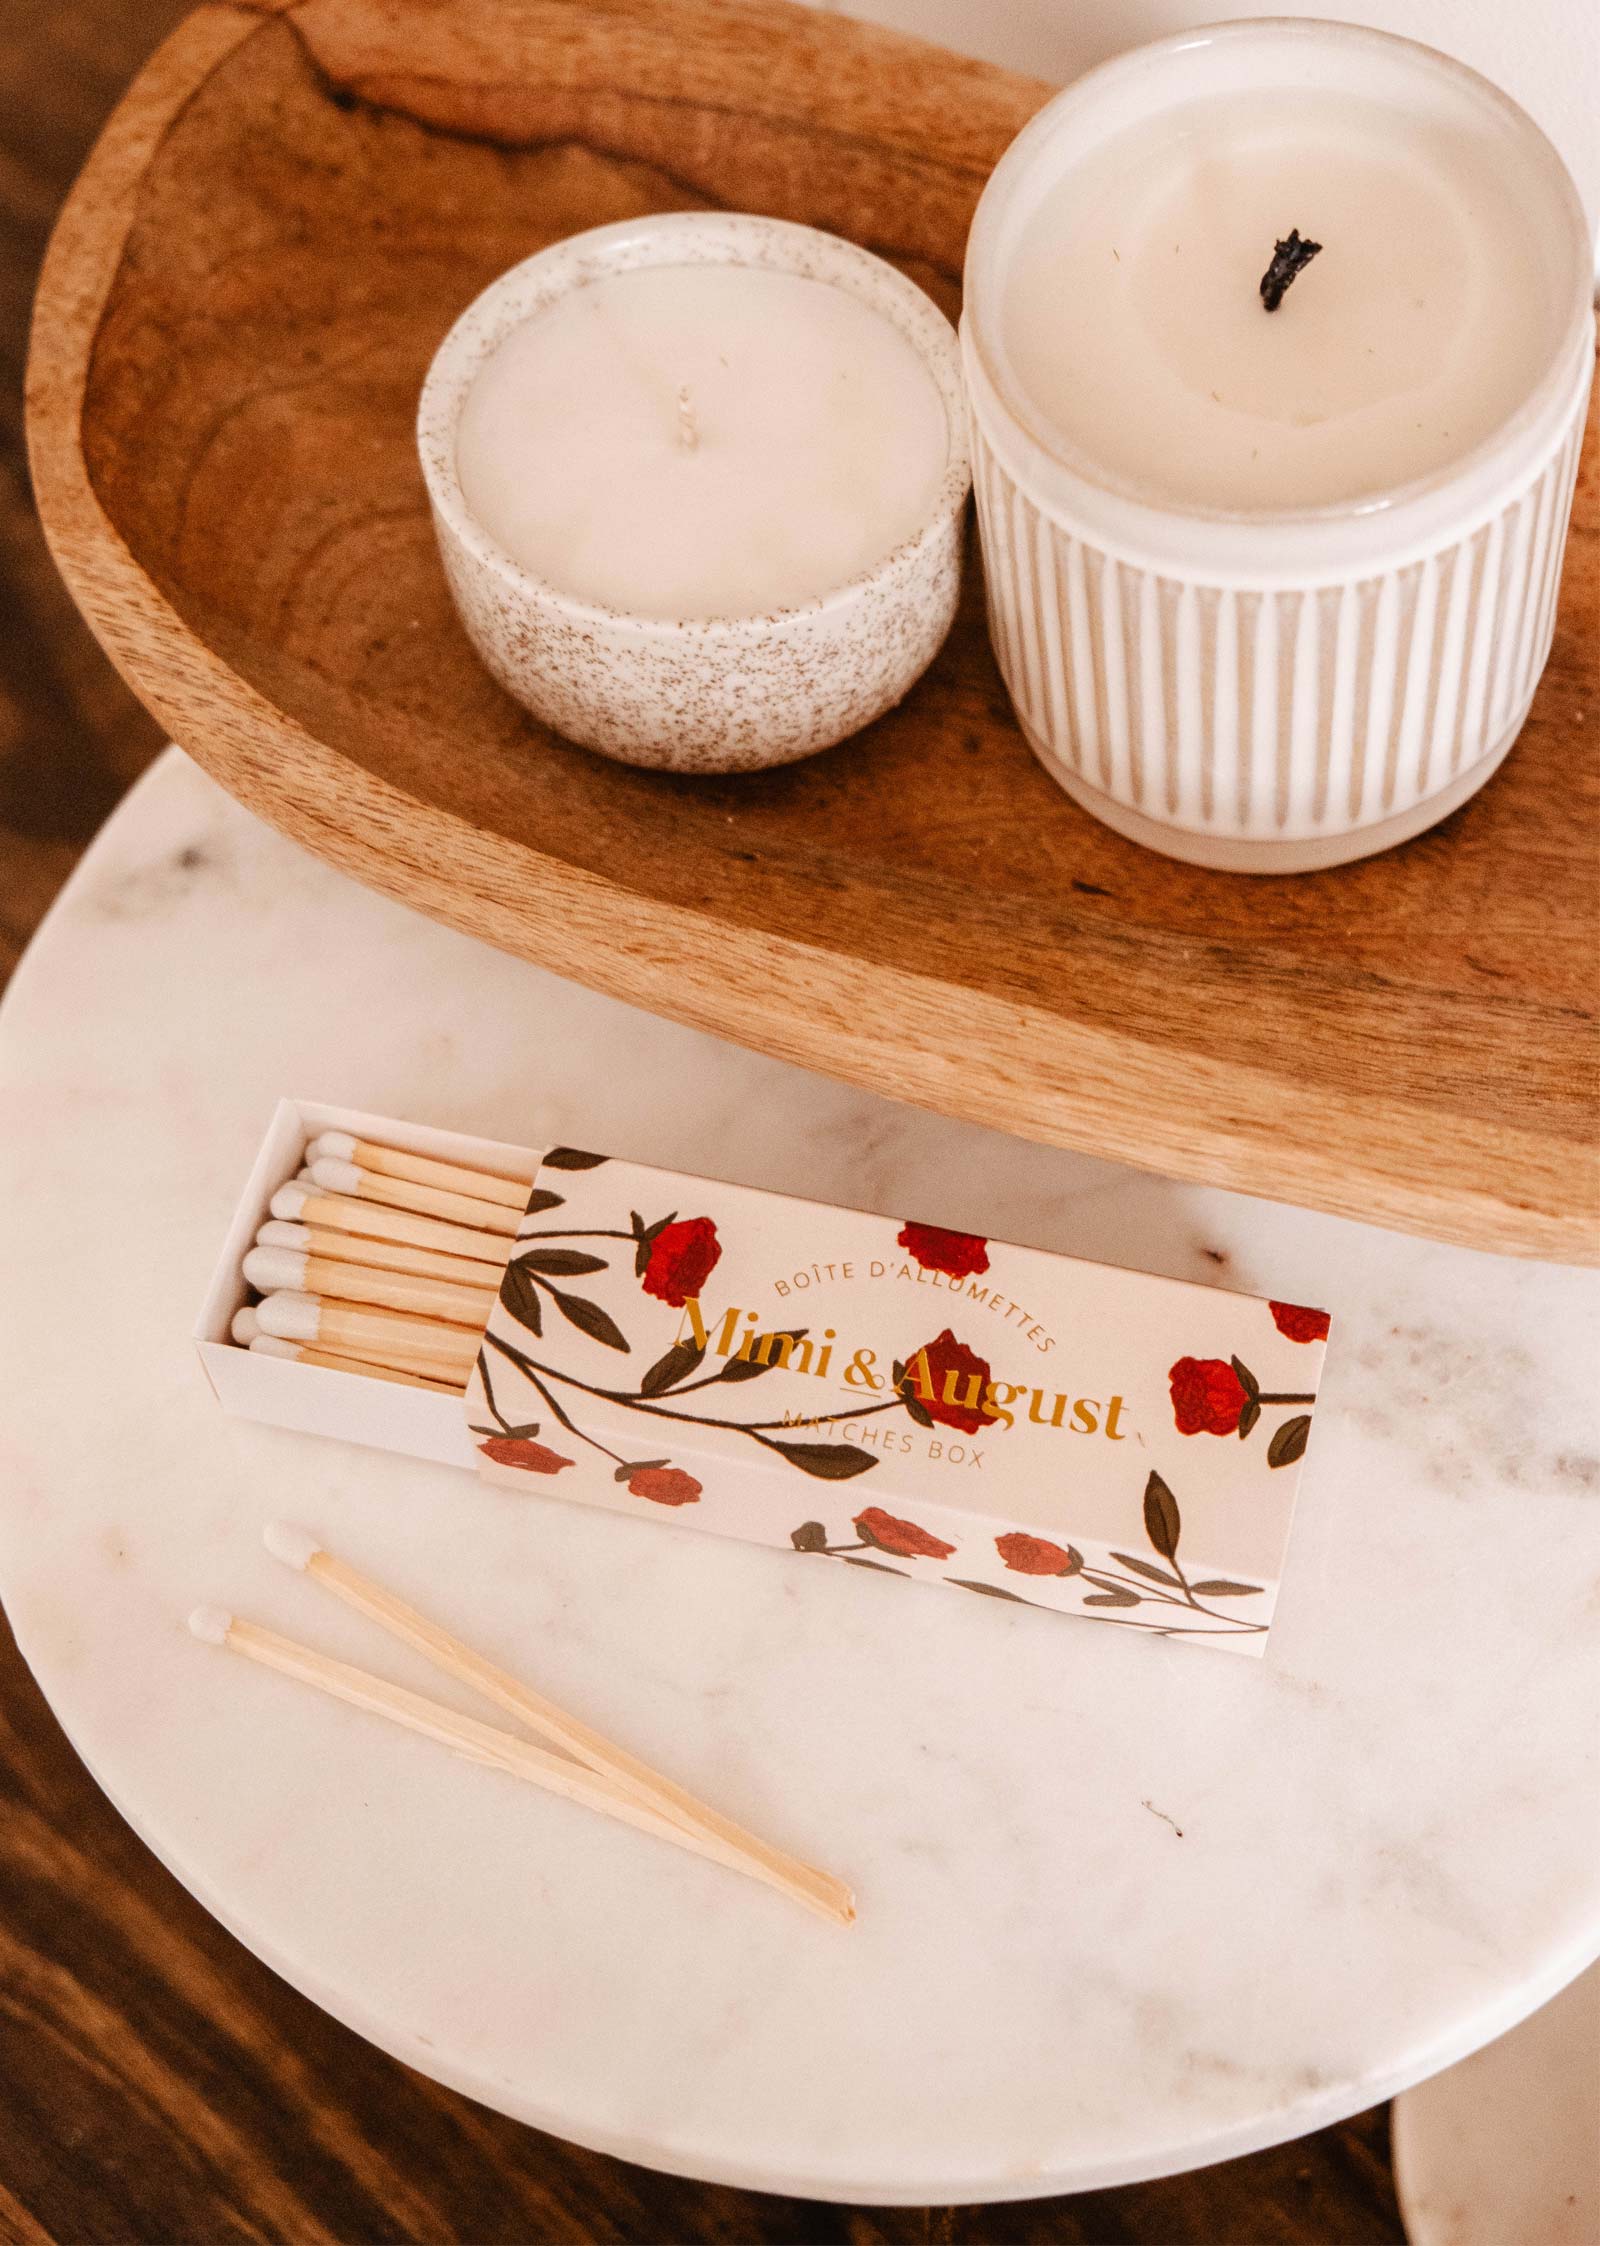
335	1177
292	1317
289	1200
279	1233
212	1624
289	1542
270	1268
246	1325
269	1345
339	1146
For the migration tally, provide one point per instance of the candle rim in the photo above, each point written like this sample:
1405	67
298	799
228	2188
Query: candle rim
597	253
1145	507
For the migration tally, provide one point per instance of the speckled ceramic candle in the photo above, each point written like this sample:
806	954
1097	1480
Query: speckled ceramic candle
707	692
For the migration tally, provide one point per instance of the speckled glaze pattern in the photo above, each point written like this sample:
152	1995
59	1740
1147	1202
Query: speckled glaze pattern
724	694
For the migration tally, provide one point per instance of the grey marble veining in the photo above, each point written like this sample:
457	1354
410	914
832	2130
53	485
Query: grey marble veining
1125	1905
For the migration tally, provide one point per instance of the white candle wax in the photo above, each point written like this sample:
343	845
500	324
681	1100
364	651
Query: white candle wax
697	441
1134	323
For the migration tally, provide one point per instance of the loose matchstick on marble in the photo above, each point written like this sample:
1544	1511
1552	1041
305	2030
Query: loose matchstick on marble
423	1345
382	1255
479	1742
357	1184
420	1169
297	1547
272	1269
337	1212
268	1345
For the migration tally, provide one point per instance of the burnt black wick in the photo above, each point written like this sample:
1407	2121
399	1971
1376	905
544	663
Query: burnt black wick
1288	259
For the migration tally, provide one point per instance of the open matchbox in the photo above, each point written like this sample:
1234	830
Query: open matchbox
864	1389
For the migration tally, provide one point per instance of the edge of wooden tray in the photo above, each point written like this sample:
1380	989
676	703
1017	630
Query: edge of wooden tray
1378	1160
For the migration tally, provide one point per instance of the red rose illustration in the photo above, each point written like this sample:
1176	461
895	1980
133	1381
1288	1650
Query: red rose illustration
533	1458
943	1357
682	1258
903	1538
664	1485
957	1254
1298	1324
1036	1555
1207	1396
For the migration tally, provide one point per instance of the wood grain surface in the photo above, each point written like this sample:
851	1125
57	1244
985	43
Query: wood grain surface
288	211
156	2083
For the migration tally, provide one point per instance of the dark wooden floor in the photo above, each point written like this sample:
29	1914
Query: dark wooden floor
156	2083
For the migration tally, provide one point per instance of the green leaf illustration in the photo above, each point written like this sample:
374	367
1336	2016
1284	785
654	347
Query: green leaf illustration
1290	1441
830	1462
1245	1377
916	1410
629	1467
560	1263
810	1536
570	1158
1149	1568
1249	1416
589	1319
1111	1599
989	1590
1163	1523
1218	1587
645	1237
542	1200
521	1298
751	1367
678	1363
852	1561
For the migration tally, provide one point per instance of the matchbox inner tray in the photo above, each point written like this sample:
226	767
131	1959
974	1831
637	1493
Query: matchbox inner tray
280	222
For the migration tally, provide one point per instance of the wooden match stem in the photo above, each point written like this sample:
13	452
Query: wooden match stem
468	1307
394	1255
483	1743
428	1200
385	1335
332	1362
421	1169
341	1213
680	1808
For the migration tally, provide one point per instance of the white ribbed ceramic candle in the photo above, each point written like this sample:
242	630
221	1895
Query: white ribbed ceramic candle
699	483
1272	590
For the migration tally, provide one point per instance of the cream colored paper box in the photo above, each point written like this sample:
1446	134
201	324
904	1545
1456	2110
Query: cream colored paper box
853	1389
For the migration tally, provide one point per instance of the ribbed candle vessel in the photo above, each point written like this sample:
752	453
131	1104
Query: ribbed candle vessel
1304	723
1275	667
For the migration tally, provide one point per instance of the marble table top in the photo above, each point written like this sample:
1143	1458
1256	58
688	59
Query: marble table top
1126	1906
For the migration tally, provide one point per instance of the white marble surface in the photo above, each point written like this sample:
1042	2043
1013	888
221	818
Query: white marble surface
1125	1906
1504	2149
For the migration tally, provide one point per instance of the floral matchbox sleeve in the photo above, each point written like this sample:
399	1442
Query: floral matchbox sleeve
856	1390
888	1394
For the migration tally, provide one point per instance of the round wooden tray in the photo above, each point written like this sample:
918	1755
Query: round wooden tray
281	220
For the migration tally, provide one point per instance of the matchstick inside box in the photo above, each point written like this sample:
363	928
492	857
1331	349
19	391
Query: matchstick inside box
349	1299
867	1389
